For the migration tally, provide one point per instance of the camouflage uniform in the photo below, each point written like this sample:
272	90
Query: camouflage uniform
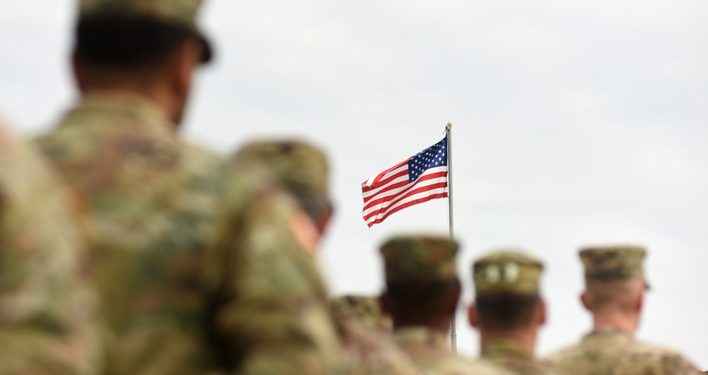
366	332
172	229
514	272
510	356
611	351
277	289
47	319
364	310
424	259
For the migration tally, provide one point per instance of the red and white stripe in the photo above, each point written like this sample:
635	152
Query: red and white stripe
390	191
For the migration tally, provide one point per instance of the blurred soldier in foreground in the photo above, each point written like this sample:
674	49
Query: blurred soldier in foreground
508	310
366	332
614	294
47	321
283	292
170	226
422	290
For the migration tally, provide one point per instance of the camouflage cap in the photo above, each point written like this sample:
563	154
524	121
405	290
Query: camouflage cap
614	261
419	258
365	310
507	271
301	167
180	13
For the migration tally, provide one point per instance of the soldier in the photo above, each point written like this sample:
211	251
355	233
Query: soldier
301	169
366	332
270	292
422	290
614	294
173	227
47	319
508	310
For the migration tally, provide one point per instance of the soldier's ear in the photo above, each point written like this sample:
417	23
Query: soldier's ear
76	71
584	300
473	316
542	312
639	302
325	219
385	304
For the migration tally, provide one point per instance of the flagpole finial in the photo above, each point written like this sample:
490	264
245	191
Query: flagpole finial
449	125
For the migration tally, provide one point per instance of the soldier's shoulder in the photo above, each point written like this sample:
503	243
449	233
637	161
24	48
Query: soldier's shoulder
563	354
661	359
201	160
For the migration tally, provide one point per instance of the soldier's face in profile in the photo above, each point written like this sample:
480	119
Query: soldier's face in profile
183	64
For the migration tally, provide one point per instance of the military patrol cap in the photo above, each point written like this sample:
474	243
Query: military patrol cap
362	309
507	271
419	258
614	261
301	167
179	13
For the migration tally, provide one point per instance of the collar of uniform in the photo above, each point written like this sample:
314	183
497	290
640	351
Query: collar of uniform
132	109
414	336
504	348
607	332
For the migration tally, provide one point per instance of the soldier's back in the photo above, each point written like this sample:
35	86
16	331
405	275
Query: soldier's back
169	225
512	358
47	317
149	202
618	353
430	353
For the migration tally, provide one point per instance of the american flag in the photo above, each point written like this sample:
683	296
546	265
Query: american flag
418	179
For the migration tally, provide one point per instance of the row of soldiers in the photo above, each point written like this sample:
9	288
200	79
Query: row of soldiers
125	250
423	289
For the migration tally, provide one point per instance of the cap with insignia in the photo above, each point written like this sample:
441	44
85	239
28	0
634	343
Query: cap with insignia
301	167
614	261
507	271
179	13
419	258
361	309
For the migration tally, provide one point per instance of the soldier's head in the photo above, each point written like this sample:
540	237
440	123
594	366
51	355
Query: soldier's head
301	168
146	47
507	293
614	279
422	288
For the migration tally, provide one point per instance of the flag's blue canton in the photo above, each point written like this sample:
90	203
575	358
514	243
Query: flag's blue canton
432	157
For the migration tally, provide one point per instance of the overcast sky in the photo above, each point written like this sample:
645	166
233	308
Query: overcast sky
576	122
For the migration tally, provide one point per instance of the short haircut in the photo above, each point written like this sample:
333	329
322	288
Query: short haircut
126	43
618	293
506	311
431	298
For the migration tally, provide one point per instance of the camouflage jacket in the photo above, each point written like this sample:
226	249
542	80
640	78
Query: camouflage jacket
613	353
372	351
513	358
176	235
47	318
430	352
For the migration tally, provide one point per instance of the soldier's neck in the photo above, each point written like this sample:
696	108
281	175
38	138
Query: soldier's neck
615	320
441	325
524	338
158	97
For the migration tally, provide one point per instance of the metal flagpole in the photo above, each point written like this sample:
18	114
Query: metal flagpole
448	128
